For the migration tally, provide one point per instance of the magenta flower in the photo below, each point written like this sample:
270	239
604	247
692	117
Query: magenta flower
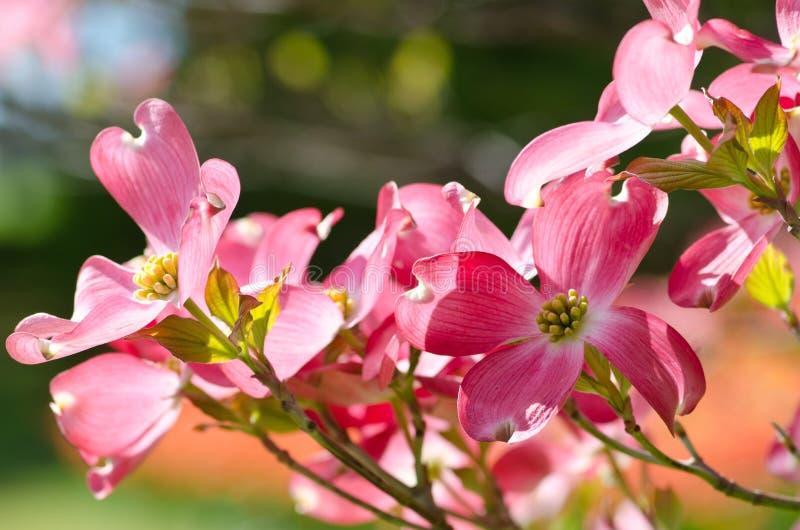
586	246
181	207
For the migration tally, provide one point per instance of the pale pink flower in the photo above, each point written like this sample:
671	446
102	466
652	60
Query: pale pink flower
181	207
114	408
586	246
767	55
627	516
255	250
45	26
655	60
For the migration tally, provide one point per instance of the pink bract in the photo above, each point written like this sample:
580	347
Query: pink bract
583	239
180	206
100	419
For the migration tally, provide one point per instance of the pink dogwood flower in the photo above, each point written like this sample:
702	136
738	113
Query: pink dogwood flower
780	461
715	266
254	250
181	207
586	246
655	60
114	408
587	146
767	55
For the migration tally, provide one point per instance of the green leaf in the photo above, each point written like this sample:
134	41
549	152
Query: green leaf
599	365
670	175
736	126
189	340
265	413
264	314
209	406
771	281
222	296
667	509
769	131
470	480
730	159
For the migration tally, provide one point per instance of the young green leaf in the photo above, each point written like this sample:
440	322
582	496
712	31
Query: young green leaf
264	315
667	509
189	340
769	132
222	295
670	175
771	281
265	413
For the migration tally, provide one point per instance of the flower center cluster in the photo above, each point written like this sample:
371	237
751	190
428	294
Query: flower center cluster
561	316
158	277
342	300
762	208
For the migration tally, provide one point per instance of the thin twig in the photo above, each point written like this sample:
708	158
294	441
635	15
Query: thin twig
286	459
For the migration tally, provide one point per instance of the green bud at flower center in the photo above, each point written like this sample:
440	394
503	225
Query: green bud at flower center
561	316
158	277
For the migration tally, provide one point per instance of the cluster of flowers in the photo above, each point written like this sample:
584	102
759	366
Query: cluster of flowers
431	336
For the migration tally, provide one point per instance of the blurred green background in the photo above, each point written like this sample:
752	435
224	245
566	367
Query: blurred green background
317	103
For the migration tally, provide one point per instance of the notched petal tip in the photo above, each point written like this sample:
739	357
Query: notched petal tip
134	141
324	227
420	294
215	201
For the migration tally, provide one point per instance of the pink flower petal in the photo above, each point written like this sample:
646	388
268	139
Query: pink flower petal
366	274
382	352
741	43
237	246
466	303
478	233
153	177
105	311
513	392
521	238
584	239
210	212
732	203
307	322
565	150
105	404
787	14
652	71
231	374
782	463
654	357
320	503
676	14
435	225
106	473
292	239
744	86
698	107
710	271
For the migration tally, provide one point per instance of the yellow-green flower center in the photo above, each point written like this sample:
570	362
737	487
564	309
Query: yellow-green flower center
342	300
158	277
561	316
